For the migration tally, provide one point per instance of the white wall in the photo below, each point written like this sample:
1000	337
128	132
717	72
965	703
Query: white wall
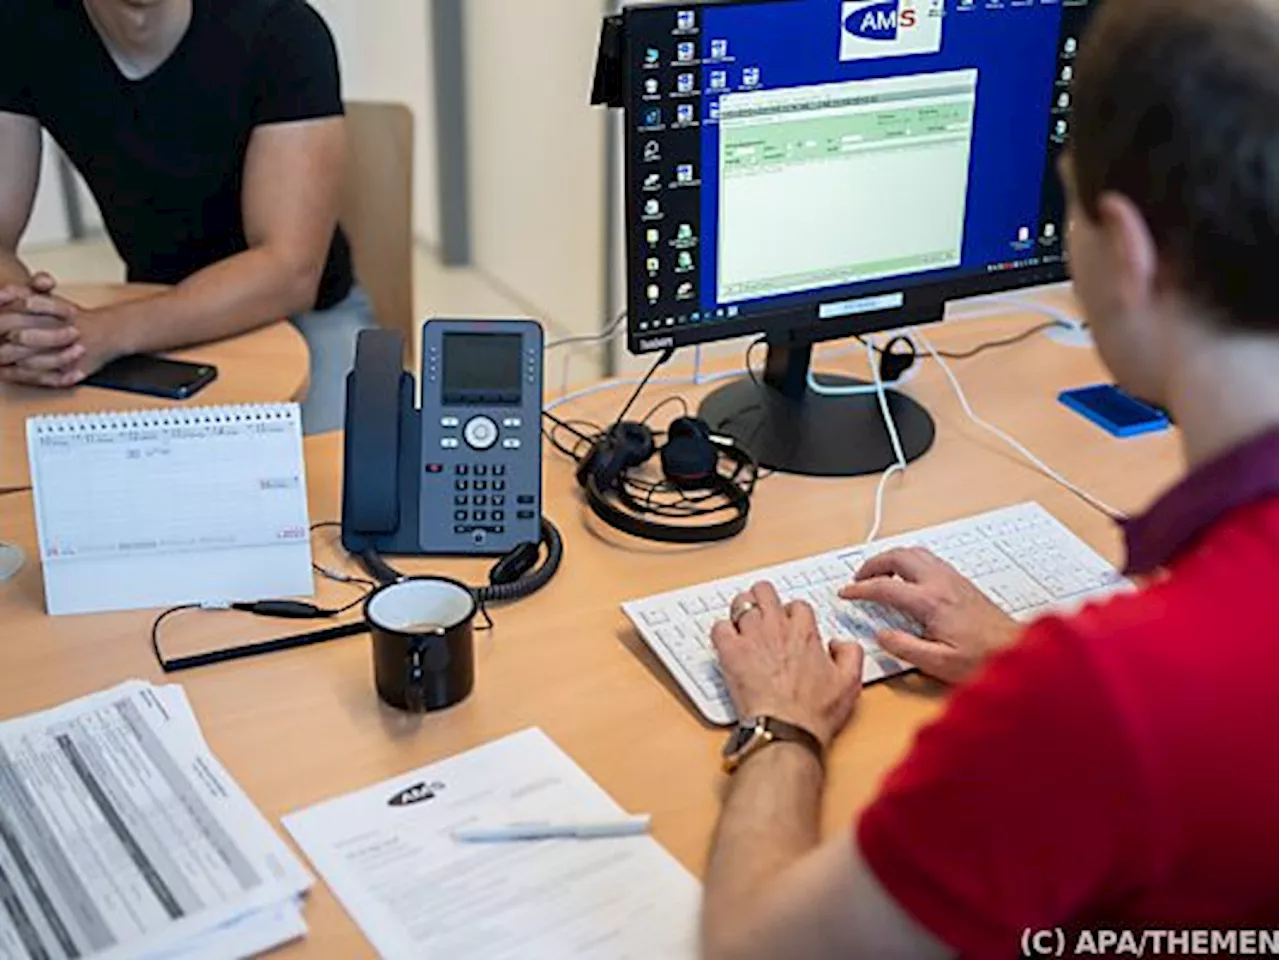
537	180
384	48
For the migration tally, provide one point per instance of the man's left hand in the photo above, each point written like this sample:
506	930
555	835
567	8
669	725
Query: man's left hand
775	664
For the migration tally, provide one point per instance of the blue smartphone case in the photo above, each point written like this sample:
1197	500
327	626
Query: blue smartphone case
1114	410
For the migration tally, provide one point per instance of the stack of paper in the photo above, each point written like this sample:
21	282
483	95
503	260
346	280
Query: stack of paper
122	835
416	891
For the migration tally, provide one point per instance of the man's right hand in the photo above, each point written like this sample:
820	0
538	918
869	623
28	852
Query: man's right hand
962	627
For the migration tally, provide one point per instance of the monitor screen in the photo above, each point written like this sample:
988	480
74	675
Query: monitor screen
825	167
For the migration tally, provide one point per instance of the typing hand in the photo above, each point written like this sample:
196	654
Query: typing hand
40	343
962	627
775	664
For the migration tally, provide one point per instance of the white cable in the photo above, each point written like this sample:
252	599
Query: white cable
1043	467
900	464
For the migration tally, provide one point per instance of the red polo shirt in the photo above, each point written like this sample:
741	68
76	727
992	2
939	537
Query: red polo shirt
1115	769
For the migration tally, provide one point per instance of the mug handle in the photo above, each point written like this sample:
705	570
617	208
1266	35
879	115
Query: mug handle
415	687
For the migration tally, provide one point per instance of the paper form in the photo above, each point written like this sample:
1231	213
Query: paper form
121	835
388	854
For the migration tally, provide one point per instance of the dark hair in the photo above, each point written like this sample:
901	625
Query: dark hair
1175	108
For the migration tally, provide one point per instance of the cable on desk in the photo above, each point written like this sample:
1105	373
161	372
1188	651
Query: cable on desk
900	457
1100	505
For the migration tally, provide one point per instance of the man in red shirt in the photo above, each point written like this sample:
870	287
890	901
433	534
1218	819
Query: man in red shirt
1116	769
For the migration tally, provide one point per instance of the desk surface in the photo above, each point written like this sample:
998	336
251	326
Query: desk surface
299	727
266	365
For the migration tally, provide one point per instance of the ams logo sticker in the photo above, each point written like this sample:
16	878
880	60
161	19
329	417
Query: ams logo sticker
417	793
889	28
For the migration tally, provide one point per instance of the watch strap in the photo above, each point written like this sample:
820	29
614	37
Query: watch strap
764	731
780	731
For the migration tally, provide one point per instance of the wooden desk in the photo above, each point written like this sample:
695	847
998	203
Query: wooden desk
300	727
266	365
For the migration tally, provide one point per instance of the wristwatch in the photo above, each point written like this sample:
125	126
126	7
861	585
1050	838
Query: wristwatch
752	736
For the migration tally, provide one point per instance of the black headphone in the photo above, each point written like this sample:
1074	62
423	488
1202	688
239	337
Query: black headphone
690	461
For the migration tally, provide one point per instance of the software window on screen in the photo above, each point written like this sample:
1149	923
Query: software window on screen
843	182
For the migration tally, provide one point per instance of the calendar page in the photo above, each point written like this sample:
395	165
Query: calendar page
163	507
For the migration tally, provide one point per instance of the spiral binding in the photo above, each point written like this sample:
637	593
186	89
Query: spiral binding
162	418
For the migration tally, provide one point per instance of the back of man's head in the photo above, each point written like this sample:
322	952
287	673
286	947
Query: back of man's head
1176	108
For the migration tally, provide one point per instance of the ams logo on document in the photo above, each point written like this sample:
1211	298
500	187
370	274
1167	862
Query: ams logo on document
889	28
415	794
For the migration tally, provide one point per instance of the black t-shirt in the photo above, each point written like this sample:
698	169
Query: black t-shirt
164	155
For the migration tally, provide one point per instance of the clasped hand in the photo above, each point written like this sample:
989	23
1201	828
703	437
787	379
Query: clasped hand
43	340
775	663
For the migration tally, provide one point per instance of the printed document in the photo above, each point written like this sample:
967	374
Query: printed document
389	856
122	835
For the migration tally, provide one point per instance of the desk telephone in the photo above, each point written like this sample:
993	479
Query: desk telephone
462	475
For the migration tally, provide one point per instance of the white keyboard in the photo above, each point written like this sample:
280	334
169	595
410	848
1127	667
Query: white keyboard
1020	557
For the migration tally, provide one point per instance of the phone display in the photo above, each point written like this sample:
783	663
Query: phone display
154	376
1115	411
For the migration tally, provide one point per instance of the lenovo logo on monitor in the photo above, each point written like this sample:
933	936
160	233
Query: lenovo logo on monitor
889	28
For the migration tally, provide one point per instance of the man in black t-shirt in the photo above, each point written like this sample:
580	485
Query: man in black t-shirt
211	135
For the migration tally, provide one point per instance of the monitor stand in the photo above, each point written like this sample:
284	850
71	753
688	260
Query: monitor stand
789	428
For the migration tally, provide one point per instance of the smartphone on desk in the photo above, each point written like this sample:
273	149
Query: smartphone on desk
154	377
1115	411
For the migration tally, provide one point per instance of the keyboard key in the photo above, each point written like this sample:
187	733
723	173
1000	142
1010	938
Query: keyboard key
481	484
524	514
498	515
460	500
498	500
460	484
480	500
480	516
499	469
460	469
655	617
524	498
499	484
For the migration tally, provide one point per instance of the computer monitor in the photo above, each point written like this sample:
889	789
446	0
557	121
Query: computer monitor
814	169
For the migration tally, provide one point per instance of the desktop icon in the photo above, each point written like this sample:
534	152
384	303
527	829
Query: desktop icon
1069	46
652	265
713	111
652	208
652	237
684	173
684	83
1064	101
684	261
719	49
684	113
685	52
686	20
733	312
684	233
653	292
651	87
719	79
1060	129
653	117
751	77
1050	231
1024	234
1067	73
684	291
653	181
652	57
652	151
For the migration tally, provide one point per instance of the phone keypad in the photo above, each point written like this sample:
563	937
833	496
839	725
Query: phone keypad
472	499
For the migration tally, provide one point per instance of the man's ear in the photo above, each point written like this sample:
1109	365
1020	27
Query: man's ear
1132	248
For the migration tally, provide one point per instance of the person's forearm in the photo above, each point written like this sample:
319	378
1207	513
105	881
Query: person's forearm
12	270
232	296
770	820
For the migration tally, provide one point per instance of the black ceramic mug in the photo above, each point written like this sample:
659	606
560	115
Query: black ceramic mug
423	650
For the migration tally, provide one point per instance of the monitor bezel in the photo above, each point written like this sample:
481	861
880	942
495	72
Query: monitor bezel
924	303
